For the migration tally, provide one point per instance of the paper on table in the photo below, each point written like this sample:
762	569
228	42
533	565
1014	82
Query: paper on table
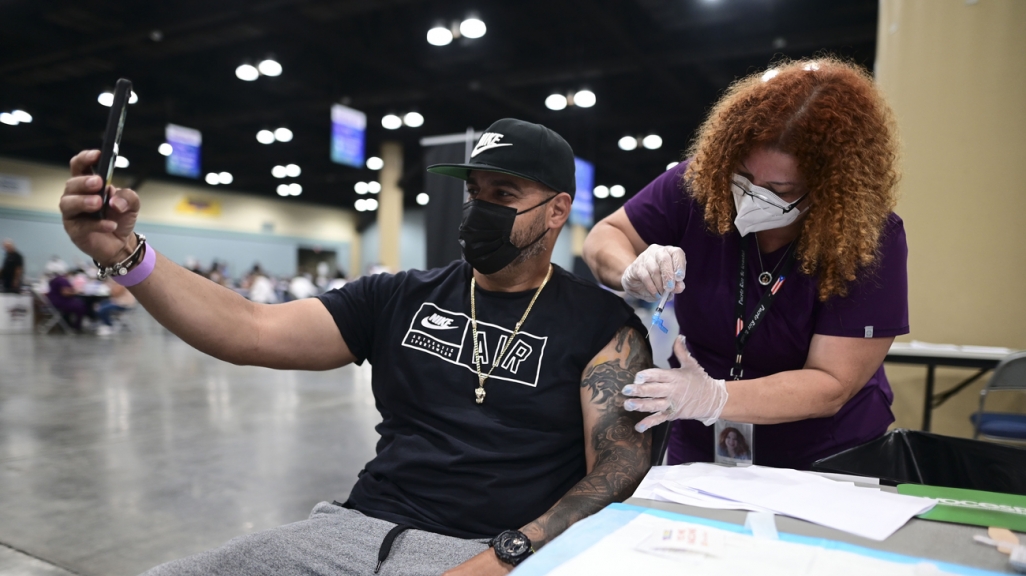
868	513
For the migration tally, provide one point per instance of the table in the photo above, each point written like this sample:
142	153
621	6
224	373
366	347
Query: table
939	355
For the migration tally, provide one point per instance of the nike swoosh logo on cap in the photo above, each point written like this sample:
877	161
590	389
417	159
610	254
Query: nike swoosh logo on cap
488	141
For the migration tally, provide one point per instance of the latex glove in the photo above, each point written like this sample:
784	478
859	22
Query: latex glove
653	270
679	393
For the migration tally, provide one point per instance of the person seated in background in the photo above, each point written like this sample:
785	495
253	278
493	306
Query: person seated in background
338	281
120	301
65	299
498	377
303	287
13	270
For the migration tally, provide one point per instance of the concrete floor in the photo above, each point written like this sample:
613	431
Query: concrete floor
117	454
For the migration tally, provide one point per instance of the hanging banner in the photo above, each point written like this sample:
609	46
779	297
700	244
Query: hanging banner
185	151
582	212
348	127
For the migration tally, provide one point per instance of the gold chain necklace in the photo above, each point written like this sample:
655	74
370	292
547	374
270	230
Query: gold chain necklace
480	391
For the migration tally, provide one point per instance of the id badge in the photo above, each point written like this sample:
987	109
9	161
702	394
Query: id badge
733	443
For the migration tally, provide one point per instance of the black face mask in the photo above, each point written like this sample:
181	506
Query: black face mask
485	235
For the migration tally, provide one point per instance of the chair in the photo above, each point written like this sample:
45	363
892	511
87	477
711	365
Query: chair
1009	375
50	316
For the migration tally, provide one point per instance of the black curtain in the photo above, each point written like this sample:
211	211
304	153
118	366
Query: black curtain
445	209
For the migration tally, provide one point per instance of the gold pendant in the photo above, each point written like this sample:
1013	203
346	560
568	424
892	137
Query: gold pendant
480	391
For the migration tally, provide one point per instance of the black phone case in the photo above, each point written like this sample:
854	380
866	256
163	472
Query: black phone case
112	139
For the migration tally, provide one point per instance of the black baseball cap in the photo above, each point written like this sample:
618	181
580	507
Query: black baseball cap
522	149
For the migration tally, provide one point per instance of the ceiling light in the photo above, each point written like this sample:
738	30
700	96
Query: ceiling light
652	142
247	72
283	189
225	177
617	191
360	204
265	137
423	199
283	135
21	116
279	171
391	122
269	68
413	119
473	28
555	102
133	98
584	98
360	187
165	149
600	192
371	204
374	187
671	165
107	99
212	179
628	143
292	171
439	36
121	162
295	189
770	74
375	163
8	118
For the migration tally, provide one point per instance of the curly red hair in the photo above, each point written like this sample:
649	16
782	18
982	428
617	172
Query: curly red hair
831	117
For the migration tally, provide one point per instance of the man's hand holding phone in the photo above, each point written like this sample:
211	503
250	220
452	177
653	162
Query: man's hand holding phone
108	240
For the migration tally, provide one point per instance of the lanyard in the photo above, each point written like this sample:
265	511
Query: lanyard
744	330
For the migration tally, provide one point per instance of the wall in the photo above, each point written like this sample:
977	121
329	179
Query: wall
955	73
249	229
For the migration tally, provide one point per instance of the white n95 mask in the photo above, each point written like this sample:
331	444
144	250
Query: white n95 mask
759	208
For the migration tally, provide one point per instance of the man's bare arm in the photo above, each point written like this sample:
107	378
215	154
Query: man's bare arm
617	456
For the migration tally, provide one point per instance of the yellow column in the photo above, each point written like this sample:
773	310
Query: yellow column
355	260
578	233
390	205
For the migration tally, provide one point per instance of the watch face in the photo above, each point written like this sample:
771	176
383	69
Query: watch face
512	543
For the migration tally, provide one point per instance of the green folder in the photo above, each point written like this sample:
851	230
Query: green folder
975	507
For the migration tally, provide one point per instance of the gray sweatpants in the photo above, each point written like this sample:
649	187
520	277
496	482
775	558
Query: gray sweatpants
334	540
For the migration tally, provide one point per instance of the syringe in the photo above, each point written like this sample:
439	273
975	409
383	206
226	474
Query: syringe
657	320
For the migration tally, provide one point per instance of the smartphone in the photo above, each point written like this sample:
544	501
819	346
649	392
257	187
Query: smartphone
112	140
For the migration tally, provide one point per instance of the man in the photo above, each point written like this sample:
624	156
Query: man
14	267
498	378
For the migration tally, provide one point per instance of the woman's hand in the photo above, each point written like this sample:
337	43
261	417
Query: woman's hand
679	393
109	240
655	269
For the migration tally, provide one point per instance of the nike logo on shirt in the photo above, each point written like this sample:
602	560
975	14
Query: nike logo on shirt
437	322
488	141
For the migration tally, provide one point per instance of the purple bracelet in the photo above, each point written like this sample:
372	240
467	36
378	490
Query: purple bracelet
142	271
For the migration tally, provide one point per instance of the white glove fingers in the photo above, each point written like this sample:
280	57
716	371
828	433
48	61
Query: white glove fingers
680	266
649	390
650	421
647	405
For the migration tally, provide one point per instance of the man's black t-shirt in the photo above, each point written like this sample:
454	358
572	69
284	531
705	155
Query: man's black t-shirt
12	261
444	463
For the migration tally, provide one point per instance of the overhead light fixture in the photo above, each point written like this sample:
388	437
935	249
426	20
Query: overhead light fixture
269	68
617	191
360	187
283	135
375	163
555	102
279	171
439	36
8	118
247	72
265	137
283	189
295	189
133	98
374	187
628	143
372	204
600	192
360	204
106	99
584	99
413	119
165	149
225	177
652	142
121	162
473	28
292	170
671	165
22	116
212	179
423	198
391	122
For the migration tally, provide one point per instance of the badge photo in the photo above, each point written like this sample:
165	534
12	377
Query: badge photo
734	443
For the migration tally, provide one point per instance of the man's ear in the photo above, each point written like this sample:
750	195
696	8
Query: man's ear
560	210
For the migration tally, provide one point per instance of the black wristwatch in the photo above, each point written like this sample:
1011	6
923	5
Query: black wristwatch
512	547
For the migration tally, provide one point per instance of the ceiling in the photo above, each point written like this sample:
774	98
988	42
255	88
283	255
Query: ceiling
655	65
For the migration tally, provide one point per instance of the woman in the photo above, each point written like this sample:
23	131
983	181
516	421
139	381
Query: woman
733	445
797	282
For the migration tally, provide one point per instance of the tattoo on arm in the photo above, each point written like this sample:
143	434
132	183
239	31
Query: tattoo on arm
621	454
